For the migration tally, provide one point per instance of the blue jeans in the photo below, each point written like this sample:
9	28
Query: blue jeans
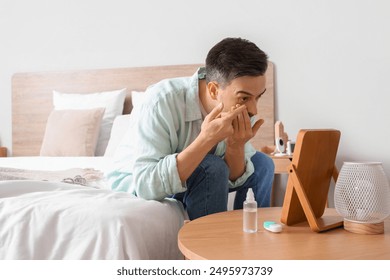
208	187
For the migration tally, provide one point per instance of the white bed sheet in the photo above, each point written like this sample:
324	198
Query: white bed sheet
53	220
56	163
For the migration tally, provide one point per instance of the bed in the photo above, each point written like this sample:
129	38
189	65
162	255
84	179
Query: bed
54	200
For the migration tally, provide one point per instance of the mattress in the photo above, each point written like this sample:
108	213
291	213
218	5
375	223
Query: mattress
57	220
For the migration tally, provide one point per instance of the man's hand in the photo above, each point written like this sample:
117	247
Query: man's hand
217	127
235	143
243	131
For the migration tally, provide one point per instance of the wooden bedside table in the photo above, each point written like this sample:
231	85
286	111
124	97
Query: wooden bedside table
282	164
220	237
3	151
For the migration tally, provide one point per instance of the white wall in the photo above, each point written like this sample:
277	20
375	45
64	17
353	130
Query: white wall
332	57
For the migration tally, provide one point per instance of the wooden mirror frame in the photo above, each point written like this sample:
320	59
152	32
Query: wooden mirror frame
312	168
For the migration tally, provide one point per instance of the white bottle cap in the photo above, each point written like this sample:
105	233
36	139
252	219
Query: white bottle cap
250	196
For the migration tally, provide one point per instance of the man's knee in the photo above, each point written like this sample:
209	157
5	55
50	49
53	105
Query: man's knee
212	170
263	163
215	166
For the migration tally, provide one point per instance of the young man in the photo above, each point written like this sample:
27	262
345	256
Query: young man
189	138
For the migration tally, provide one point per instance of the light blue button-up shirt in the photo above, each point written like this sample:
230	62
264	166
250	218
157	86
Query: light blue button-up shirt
168	120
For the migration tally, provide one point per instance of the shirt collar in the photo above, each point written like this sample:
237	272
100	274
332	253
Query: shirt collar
193	111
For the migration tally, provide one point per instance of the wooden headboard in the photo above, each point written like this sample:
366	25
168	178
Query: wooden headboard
32	99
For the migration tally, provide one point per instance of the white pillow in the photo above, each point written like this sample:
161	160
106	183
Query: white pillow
112	101
137	97
119	129
122	123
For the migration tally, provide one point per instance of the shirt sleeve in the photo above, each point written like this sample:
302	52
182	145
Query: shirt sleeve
155	173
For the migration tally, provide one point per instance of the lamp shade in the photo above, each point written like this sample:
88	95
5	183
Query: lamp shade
362	196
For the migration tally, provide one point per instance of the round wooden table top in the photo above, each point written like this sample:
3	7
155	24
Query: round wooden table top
220	237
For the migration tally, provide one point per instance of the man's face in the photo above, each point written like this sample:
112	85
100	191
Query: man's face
245	90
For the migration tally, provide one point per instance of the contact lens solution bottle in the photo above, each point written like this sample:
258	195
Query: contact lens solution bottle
250	213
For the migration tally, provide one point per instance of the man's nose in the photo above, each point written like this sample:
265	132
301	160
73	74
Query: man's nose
252	109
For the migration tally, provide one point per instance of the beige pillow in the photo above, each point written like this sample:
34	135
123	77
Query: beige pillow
72	132
112	101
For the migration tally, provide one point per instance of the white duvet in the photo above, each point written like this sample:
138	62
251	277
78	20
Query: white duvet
53	220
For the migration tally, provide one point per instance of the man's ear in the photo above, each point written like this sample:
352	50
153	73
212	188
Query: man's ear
213	89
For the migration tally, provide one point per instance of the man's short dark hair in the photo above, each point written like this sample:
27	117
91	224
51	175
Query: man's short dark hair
233	58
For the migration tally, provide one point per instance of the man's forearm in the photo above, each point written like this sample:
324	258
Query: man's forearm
235	160
190	158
